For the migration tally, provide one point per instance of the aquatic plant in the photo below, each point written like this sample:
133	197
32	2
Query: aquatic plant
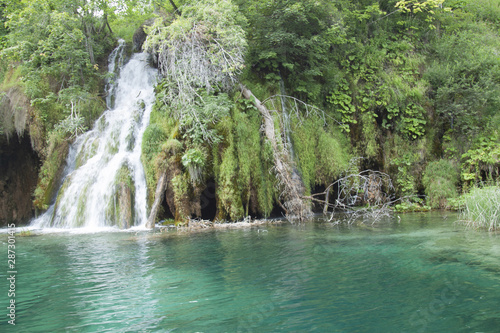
482	208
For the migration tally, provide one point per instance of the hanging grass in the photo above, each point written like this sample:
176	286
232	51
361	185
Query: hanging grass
482	208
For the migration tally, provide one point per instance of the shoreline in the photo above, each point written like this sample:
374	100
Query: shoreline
196	225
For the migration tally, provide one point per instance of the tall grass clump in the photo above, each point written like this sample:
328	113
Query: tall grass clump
482	208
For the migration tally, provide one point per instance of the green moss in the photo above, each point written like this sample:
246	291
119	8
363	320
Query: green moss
152	141
321	152
60	194
241	165
440	181
82	204
51	170
120	209
305	141
180	184
12	78
370	134
404	161
160	140
88	151
267	191
112	144
172	146
228	191
248	150
332	154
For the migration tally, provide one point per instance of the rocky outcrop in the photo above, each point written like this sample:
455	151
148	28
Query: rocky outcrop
140	35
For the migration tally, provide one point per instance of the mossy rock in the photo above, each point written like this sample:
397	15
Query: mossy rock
88	151
50	174
121	204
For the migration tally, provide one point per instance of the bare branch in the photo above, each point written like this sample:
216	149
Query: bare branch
359	195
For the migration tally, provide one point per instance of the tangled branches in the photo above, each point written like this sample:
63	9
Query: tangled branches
364	195
295	107
200	53
198	59
73	124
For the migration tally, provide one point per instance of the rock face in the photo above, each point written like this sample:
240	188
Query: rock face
140	35
19	166
121	206
125	217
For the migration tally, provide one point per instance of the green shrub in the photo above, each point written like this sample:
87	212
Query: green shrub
409	206
440	180
194	161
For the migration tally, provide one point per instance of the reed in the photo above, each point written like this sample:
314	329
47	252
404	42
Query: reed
482	208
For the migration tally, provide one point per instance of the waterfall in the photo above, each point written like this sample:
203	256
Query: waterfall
104	183
115	62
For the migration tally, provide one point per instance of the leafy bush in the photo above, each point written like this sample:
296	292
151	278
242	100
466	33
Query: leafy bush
194	161
464	78
440	180
200	54
484	157
409	207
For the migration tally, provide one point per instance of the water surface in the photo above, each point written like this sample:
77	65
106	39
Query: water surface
420	274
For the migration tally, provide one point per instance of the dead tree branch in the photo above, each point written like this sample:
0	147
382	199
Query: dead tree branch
363	195
290	183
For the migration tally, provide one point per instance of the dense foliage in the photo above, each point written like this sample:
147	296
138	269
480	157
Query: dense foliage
412	87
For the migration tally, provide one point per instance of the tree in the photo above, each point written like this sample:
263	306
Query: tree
200	53
55	44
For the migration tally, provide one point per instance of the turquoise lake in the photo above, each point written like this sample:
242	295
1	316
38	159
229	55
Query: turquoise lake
422	273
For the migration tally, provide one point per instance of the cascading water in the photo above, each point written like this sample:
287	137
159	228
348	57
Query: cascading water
115	63
105	183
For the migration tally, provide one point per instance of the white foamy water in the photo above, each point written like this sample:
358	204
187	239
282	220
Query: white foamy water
88	195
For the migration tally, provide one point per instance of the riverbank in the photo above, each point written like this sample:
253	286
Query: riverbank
198	224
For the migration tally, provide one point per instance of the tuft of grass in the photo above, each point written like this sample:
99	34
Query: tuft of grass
25	233
482	208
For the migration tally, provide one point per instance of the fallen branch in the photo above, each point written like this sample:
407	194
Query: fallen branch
160	190
289	181
364	195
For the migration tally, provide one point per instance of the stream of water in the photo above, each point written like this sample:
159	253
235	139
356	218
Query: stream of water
99	159
422	273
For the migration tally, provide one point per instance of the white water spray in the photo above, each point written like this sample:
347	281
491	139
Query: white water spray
108	155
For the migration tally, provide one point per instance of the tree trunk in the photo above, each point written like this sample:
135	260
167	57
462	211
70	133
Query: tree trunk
292	186
160	189
176	10
88	41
